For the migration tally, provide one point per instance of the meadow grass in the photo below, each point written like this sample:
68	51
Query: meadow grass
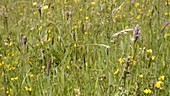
84	48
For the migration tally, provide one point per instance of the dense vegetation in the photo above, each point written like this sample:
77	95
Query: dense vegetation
84	47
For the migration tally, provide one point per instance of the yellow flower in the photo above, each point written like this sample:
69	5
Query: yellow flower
8	66
167	2
35	13
153	57
121	61
12	54
14	78
109	8
30	62
159	84
86	33
139	10
1	63
43	67
31	75
166	13
8	91
40	28
11	43
133	62
149	13
116	72
28	88
161	78
45	7
81	9
86	18
140	76
75	26
68	67
136	4
75	45
11	68
138	17
149	51
93	3
147	91
16	62
166	35
131	13
77	92
34	3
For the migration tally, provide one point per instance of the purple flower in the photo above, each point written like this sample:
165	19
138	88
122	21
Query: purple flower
132	1
136	33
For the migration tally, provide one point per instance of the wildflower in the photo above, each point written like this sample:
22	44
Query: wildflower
132	1
167	2
28	89
3	74
6	43
14	78
159	84
136	4
8	91
1	63
34	3
136	33
138	17
140	76
102	77
86	18
166	13
30	62
12	54
11	68
68	67
31	75
16	62
35	13
161	78
86	33
153	57
133	62
116	72
147	91
81	9
93	3
139	10
121	61
149	13
75	26
77	92
11	43
149	51
40	28
43	67
166	35
8	66
45	7
109	8
75	45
